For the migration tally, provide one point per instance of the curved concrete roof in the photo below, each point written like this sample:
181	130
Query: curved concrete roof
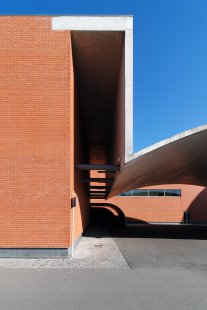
181	159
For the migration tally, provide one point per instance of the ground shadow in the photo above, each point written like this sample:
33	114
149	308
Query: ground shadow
101	215
131	220
197	232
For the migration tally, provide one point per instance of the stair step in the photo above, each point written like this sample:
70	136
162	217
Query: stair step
98	180
97	167
99	187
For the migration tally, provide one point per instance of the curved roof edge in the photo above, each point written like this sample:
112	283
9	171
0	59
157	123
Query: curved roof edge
164	142
179	159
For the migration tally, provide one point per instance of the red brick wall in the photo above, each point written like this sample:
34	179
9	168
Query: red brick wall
35	137
165	209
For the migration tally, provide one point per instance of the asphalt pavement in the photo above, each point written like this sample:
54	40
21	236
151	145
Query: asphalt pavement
168	271
151	246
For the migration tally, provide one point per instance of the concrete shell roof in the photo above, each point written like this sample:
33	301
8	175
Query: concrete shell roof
181	159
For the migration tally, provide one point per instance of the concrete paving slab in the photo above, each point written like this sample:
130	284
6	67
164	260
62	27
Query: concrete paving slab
96	250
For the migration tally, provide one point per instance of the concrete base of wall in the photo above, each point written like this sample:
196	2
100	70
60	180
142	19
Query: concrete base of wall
38	252
33	253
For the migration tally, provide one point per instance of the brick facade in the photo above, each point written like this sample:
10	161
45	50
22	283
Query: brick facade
165	209
35	137
41	141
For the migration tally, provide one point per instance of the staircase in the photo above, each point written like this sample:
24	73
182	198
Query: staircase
99	191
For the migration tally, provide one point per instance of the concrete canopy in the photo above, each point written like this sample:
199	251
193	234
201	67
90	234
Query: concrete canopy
99	42
181	159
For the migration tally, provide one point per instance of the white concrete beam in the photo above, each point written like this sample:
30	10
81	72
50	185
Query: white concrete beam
93	23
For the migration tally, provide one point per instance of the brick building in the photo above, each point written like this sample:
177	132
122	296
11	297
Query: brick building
66	100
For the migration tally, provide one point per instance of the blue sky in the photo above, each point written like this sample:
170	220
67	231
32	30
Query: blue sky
170	58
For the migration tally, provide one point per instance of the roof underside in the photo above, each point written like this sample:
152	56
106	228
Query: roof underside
181	159
97	57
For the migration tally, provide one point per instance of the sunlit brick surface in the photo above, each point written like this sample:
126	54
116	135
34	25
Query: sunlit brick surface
34	133
165	209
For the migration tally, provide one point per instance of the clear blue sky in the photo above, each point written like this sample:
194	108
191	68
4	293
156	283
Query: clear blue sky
170	58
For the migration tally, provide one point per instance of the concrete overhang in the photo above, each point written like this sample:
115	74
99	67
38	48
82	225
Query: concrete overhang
181	159
97	50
